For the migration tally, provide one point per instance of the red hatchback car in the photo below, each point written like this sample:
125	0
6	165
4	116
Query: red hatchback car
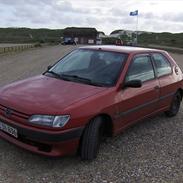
91	93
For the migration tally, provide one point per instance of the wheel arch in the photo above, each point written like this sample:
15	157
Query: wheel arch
108	127
107	122
180	90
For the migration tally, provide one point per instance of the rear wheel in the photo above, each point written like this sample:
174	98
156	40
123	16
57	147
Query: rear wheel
175	105
91	139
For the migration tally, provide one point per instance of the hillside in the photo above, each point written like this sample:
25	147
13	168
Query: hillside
165	38
27	35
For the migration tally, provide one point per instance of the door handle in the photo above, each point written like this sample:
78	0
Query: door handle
156	87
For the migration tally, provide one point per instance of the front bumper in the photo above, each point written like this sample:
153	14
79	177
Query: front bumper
49	143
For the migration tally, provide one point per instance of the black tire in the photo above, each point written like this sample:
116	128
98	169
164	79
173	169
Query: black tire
175	105
91	139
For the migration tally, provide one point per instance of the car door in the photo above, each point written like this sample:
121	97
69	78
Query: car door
137	103
166	79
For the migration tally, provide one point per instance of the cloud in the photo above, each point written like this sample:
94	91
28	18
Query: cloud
67	7
23	2
176	17
105	15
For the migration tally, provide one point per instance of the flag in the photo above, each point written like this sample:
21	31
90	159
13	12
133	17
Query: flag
134	13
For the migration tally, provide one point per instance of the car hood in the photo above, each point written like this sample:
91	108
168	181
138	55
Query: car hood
44	95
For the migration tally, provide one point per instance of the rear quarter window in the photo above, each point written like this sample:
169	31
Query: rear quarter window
162	64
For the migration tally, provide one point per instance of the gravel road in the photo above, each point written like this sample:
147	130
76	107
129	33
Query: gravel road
150	151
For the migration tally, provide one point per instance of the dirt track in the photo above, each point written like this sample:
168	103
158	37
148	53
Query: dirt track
150	151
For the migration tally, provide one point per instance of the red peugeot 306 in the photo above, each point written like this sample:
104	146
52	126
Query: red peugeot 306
90	93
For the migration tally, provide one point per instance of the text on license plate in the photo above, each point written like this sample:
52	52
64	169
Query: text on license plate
8	129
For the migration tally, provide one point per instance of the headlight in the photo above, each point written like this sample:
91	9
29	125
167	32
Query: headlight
47	120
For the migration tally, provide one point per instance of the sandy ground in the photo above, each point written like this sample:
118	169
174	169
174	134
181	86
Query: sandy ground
150	151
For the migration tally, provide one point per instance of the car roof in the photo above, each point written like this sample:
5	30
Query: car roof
122	49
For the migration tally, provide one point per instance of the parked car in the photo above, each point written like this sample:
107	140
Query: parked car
93	92
69	42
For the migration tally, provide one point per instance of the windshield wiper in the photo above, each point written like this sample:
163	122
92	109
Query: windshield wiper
74	77
81	79
68	77
58	75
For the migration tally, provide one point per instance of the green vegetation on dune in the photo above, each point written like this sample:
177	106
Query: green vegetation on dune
165	38
27	35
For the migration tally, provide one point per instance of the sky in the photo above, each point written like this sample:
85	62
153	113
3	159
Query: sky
104	15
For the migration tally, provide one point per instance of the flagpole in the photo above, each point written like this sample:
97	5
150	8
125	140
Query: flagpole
135	13
137	30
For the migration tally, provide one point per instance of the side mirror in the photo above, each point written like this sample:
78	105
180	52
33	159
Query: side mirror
133	84
49	67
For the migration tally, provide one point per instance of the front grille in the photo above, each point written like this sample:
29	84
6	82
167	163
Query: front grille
14	113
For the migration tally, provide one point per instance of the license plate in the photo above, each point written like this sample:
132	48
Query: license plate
8	129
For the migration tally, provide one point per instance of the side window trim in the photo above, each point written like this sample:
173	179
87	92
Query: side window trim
155	69
141	55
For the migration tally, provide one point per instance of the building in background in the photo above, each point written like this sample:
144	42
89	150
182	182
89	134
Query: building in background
80	35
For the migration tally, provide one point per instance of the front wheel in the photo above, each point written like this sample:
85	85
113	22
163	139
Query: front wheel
175	105
91	139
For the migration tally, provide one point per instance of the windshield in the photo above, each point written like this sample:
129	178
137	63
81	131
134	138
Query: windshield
90	67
